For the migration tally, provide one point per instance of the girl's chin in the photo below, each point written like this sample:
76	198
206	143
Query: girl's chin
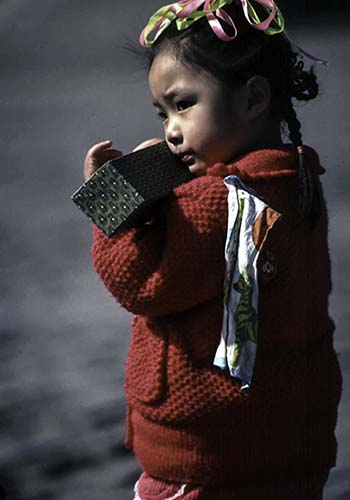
197	169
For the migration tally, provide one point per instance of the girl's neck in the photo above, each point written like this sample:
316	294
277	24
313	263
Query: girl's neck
269	138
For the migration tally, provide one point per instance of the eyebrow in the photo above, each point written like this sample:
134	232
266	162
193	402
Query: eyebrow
168	96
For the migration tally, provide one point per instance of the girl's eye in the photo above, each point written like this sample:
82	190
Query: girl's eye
182	105
162	116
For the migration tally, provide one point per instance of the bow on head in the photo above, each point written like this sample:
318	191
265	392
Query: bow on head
186	12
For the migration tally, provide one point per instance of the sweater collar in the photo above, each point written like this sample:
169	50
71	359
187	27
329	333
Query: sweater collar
267	163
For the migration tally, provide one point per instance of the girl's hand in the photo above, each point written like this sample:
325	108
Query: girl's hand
97	156
149	142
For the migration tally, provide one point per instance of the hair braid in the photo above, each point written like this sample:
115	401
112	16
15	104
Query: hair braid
308	201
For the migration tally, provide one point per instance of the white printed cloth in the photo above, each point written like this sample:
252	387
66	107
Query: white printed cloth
249	221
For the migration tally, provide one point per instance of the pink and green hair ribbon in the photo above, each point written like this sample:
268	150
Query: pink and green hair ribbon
186	12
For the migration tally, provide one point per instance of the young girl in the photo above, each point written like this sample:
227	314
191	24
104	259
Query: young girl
232	382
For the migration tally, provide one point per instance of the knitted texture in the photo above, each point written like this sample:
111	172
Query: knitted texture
187	420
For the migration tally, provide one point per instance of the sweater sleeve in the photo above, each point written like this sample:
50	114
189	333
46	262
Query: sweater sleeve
173	264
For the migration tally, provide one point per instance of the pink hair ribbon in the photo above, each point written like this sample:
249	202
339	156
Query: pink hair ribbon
313	58
186	12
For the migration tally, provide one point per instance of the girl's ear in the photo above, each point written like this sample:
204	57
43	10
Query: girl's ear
258	96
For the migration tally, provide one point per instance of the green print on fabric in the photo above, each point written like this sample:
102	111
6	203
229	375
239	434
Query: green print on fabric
234	248
245	316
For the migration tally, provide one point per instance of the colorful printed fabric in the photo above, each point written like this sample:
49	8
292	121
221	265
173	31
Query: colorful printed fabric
249	220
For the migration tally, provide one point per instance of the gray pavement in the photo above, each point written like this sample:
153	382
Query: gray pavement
64	85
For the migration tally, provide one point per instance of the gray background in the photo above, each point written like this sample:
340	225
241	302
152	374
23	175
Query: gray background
66	84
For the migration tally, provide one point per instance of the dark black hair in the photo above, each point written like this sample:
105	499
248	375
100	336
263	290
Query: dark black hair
252	52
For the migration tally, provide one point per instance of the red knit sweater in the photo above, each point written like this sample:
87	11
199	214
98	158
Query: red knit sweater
187	420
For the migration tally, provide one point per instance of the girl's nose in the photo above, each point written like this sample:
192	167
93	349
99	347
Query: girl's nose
173	134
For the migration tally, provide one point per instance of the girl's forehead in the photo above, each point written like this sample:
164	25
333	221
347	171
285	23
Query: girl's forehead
168	73
167	67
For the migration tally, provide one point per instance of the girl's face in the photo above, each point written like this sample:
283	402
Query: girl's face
202	123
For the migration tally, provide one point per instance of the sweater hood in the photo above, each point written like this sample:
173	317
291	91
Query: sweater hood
267	163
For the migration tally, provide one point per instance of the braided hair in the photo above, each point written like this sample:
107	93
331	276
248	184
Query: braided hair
253	52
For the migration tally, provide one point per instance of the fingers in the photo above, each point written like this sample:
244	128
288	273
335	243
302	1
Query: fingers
101	147
148	143
98	147
102	151
114	153
97	155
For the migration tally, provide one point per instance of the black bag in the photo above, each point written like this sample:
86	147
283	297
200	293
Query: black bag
124	191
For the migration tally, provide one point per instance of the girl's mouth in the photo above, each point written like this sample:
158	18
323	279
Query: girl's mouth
188	159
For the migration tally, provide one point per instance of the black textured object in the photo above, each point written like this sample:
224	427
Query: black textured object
124	191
